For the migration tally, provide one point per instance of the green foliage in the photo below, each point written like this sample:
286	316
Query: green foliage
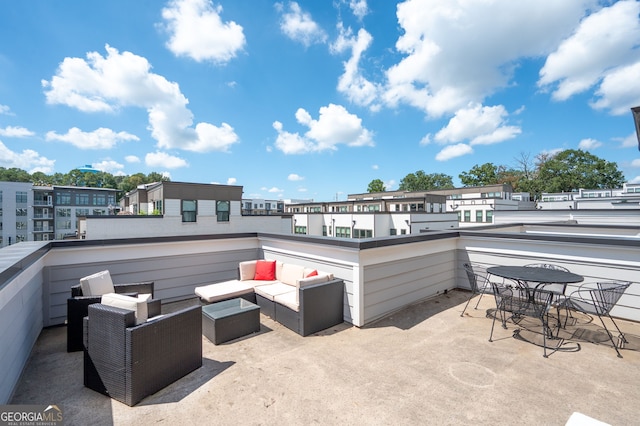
573	169
420	181
78	178
376	185
486	174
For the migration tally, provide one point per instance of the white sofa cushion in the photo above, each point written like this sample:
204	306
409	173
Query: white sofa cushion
269	291
247	270
220	291
97	284
291	273
290	300
138	306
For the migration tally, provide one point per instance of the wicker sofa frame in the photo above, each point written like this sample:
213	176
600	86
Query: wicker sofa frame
320	306
77	309
129	362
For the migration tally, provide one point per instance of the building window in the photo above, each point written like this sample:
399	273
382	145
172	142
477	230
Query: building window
393	231
362	233
324	230
82	212
467	215
21	197
403	232
157	207
63	212
343	232
98	212
21	225
82	199
222	210
489	216
478	215
99	200
300	230
189	210
63	198
21	212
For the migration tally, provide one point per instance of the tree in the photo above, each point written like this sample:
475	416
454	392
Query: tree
572	169
486	174
376	185
420	181
14	175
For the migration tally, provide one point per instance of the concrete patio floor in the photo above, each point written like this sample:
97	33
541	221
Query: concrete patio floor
422	365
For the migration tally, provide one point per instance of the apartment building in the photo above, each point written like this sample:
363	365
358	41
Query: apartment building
627	197
41	213
183	208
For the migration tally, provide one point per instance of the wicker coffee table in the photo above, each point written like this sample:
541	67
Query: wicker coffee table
230	319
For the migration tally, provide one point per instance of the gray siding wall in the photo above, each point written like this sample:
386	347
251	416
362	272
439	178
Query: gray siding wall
175	276
390	286
21	323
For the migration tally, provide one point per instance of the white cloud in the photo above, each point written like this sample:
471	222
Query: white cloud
106	84
603	42
359	8
300	26
232	181
197	31
426	139
28	160
334	126
375	167
98	139
162	159
132	159
619	90
15	132
109	166
294	177
589	144
453	151
635	163
460	51
274	189
352	83
480	125
630	141
4	109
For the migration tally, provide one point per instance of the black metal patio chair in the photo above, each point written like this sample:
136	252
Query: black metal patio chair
478	281
598	299
514	302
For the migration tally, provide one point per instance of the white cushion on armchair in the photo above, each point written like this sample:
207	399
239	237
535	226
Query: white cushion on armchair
135	304
97	284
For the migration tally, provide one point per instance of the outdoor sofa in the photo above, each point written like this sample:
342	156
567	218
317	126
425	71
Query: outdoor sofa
300	298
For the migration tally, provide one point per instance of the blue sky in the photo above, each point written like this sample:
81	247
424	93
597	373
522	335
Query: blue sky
314	99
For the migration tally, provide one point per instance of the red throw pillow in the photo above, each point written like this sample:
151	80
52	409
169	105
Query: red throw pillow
312	274
265	270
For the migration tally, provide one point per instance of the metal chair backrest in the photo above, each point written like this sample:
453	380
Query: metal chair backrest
547	266
477	275
607	295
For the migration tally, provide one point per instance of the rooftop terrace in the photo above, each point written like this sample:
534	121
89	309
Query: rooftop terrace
422	365
403	355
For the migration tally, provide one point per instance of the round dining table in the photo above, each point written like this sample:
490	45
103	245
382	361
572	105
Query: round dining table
526	274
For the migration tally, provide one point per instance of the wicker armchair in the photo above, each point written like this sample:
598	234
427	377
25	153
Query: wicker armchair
129	362
77	308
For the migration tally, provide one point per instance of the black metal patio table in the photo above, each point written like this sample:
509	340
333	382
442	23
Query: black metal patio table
524	275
